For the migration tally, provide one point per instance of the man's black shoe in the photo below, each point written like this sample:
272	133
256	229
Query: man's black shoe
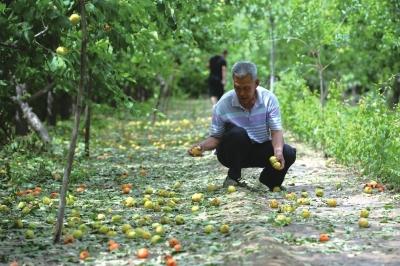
232	182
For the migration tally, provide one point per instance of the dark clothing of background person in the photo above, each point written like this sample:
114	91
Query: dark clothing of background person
215	85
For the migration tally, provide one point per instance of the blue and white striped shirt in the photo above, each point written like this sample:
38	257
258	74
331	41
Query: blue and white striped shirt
264	115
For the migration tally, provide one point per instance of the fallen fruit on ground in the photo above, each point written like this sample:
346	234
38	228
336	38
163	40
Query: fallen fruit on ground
368	190
363	223
173	241
77	234
224	229
319	192
179	219
331	202
170	262
323	237
211	187
231	189
273	203
291	196
276	189
215	202
29	234
84	255
208	229
305	213
196	197
364	213
142	253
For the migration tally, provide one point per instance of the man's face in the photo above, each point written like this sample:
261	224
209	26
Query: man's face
245	89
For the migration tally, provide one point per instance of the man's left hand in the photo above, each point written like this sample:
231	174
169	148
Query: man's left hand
280	158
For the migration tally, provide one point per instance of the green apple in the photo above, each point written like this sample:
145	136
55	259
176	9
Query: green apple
148	204
179	219
29	234
273	203
364	213
101	216
130	234
231	189
77	234
276	189
160	230
155	239
195	208
216	202
305	213
273	160
363	223
291	196
74	19
331	202
103	229
208	229
125	228
111	233
224	229
149	190
18	223
304	194
211	187
319	192
368	190
61	50
197	197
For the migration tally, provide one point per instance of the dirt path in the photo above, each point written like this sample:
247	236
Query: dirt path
153	157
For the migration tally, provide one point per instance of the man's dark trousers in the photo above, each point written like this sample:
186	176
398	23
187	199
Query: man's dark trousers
237	151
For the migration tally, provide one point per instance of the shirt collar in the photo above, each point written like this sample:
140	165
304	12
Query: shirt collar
235	100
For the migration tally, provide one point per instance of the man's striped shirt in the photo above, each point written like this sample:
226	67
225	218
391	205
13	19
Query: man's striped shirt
263	117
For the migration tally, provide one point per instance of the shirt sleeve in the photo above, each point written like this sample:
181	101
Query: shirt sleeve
273	114
217	127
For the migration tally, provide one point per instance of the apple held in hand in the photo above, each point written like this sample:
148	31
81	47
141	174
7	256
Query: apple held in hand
196	151
275	163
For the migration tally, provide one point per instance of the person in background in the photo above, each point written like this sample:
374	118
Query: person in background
217	78
246	131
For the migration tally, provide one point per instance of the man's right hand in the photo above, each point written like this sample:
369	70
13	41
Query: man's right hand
196	150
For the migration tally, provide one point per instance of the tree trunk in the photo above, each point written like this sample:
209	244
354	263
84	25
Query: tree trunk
32	119
272	52
88	110
166	94
21	127
51	114
71	151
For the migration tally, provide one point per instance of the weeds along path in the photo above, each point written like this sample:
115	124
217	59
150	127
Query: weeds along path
138	187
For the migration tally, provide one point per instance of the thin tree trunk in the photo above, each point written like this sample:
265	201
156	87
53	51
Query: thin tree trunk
88	110
32	119
272	52
166	94
71	152
159	96
323	91
51	114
